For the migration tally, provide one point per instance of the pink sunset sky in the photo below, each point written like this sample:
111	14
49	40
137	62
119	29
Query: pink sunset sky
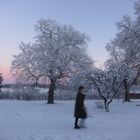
96	18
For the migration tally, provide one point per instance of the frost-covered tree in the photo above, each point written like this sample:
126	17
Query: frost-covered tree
80	76
124	74
125	47
58	52
108	82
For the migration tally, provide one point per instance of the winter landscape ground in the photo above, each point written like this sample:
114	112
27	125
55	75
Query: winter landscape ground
36	120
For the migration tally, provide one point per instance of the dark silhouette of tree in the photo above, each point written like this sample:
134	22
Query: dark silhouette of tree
1	80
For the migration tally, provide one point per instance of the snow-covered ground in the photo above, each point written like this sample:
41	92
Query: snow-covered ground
36	120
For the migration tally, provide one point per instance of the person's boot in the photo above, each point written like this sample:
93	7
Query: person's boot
76	126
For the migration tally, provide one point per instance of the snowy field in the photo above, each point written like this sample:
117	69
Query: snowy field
36	120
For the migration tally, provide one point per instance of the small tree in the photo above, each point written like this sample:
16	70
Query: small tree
108	82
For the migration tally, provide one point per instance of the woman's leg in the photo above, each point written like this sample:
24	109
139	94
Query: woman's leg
76	123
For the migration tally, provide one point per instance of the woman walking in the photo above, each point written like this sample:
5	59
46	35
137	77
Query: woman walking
80	110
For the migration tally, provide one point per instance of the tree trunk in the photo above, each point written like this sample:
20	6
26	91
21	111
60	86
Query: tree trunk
127	98
106	104
0	87
51	92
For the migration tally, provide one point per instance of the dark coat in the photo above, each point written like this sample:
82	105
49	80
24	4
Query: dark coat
80	111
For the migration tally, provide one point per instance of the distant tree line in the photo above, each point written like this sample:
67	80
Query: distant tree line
29	92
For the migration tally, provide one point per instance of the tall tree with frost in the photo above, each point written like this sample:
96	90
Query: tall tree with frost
58	52
125	48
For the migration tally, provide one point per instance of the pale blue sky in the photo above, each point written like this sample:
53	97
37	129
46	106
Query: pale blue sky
96	18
